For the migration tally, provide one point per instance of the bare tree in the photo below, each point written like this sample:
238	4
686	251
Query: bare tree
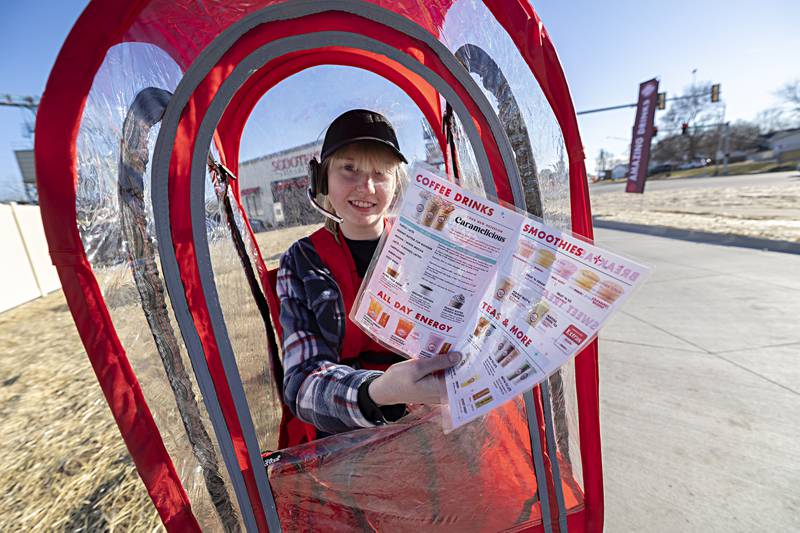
773	119
744	135
693	107
668	149
603	160
790	94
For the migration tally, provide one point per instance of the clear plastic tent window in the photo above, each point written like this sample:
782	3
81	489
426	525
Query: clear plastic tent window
167	261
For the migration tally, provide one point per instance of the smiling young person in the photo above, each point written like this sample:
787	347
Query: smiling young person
335	377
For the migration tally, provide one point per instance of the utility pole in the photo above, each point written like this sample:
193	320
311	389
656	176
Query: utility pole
31	103
25	157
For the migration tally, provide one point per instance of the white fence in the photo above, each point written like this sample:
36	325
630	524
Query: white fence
25	268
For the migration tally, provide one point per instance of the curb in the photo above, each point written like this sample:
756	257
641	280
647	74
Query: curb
705	237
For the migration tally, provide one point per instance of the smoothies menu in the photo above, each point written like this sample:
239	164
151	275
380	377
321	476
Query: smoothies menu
516	297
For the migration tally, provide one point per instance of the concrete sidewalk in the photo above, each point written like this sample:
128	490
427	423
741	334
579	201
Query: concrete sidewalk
700	390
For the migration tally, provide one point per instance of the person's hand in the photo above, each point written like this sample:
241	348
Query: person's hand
412	381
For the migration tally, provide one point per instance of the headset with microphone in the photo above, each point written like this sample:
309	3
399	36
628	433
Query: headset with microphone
318	184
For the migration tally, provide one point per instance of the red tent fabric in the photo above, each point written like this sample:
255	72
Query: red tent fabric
183	30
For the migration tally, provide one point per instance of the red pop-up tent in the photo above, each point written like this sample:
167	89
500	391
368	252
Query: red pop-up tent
142	256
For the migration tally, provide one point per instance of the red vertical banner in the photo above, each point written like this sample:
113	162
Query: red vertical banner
642	133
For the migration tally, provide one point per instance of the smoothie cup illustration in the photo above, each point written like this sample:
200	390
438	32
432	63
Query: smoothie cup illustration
383	320
443	215
430	211
544	258
482	323
503	288
525	248
586	279
609	291
565	268
374	309
445	348
537	312
403	328
482	402
510	356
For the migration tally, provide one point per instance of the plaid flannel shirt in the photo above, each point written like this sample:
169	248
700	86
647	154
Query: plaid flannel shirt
317	388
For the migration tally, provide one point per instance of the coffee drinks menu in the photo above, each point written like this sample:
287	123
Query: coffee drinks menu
516	297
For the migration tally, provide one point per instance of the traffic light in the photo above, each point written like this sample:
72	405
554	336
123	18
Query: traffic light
662	101
685	128
715	93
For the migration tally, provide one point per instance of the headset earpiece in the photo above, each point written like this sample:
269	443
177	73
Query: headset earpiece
317	184
316	180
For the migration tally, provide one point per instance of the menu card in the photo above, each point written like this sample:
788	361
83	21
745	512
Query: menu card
518	298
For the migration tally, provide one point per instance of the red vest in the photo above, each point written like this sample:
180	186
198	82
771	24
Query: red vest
409	476
337	258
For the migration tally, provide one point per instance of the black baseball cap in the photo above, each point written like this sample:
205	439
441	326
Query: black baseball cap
360	125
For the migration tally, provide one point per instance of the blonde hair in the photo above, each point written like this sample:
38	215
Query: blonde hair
367	157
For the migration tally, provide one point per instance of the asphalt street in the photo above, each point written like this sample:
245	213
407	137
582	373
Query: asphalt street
700	390
769	178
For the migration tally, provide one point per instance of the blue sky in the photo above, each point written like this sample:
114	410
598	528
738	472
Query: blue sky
607	48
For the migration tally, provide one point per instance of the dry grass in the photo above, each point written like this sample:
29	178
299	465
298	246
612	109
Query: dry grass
63	463
760	211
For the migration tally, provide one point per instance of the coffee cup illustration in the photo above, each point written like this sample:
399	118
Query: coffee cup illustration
442	215
480	394
537	313
457	301
403	328
430	211
434	343
518	372
424	196
482	323
483	401
503	288
393	269
374	309
501	347
509	356
468	382
503	351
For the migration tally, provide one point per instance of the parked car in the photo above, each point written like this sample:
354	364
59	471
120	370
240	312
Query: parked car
661	169
257	225
697	163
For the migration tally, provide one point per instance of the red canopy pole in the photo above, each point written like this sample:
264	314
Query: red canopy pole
57	126
528	33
